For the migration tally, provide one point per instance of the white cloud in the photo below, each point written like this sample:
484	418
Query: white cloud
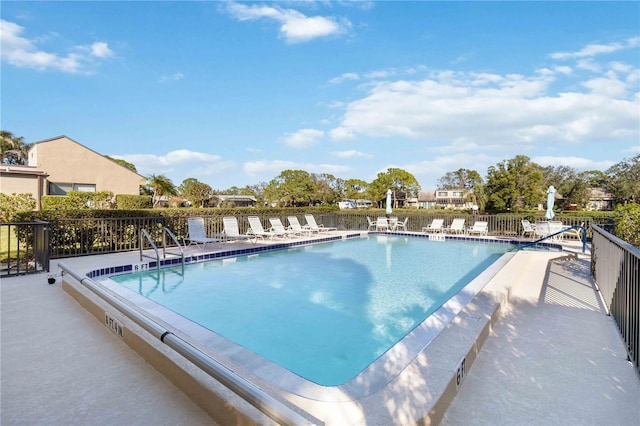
175	160
24	53
352	153
500	110
295	27
345	77
579	163
174	77
303	138
595	49
272	168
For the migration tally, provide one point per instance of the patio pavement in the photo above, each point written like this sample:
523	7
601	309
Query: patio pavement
554	358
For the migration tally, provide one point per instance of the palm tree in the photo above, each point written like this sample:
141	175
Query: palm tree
161	185
13	148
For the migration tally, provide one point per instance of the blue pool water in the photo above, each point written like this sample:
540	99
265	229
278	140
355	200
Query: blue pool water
323	311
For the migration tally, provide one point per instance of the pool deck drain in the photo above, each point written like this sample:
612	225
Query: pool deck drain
61	366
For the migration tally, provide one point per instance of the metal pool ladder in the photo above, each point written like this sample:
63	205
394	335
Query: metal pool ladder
165	231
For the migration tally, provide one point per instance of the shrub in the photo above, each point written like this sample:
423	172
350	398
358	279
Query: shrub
133	202
627	223
12	204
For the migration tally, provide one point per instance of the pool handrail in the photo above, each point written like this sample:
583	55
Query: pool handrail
165	231
250	392
562	231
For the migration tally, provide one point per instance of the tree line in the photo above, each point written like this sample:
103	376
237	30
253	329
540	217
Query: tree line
511	185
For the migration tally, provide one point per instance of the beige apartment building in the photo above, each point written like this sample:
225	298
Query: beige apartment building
59	165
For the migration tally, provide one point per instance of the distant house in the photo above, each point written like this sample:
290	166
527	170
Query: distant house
233	201
600	199
444	198
59	165
426	199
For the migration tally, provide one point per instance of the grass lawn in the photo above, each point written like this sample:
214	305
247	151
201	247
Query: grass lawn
8	240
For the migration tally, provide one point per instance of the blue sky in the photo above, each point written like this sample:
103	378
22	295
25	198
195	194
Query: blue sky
232	93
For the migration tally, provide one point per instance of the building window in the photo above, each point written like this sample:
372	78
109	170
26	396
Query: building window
443	194
457	194
57	188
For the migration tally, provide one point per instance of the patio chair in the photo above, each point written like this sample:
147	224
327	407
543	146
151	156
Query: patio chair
371	224
197	233
294	224
382	224
528	229
277	227
402	225
313	225
541	230
232	231
456	227
256	230
479	228
435	226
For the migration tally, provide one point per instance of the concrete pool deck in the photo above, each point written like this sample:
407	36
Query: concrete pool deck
553	357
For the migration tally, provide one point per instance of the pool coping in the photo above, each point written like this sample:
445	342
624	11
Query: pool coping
346	394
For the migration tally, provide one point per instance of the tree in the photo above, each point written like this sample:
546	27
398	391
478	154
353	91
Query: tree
123	163
355	188
460	179
395	179
623	180
327	188
13	149
290	188
514	184
573	186
161	186
627	223
198	193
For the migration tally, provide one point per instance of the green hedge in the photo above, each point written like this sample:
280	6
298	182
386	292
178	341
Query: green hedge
133	202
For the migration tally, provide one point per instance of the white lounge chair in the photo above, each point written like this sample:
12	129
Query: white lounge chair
456	227
402	225
434	226
542	230
574	233
277	227
313	225
256	230
382	224
232	231
294	225
197	233
479	228
528	229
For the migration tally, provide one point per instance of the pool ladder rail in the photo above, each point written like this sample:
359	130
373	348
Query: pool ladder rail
165	231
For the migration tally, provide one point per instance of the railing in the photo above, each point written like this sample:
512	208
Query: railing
144	236
615	266
559	233
24	248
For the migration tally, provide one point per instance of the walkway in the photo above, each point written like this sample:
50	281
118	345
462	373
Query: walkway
554	358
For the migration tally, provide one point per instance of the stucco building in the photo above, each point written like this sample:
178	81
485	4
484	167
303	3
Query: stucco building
59	165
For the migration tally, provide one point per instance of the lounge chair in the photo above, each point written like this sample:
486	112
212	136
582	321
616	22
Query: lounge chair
393	223
197	233
402	225
382	224
231	230
479	228
435	226
574	233
256	230
528	229
277	227
313	225
554	228
294	225
456	227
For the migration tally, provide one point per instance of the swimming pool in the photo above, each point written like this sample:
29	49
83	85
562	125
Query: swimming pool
325	312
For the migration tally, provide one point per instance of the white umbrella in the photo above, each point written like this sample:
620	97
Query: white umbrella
388	201
551	198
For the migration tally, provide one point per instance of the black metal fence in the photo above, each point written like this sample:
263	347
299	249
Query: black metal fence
615	266
24	248
88	236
